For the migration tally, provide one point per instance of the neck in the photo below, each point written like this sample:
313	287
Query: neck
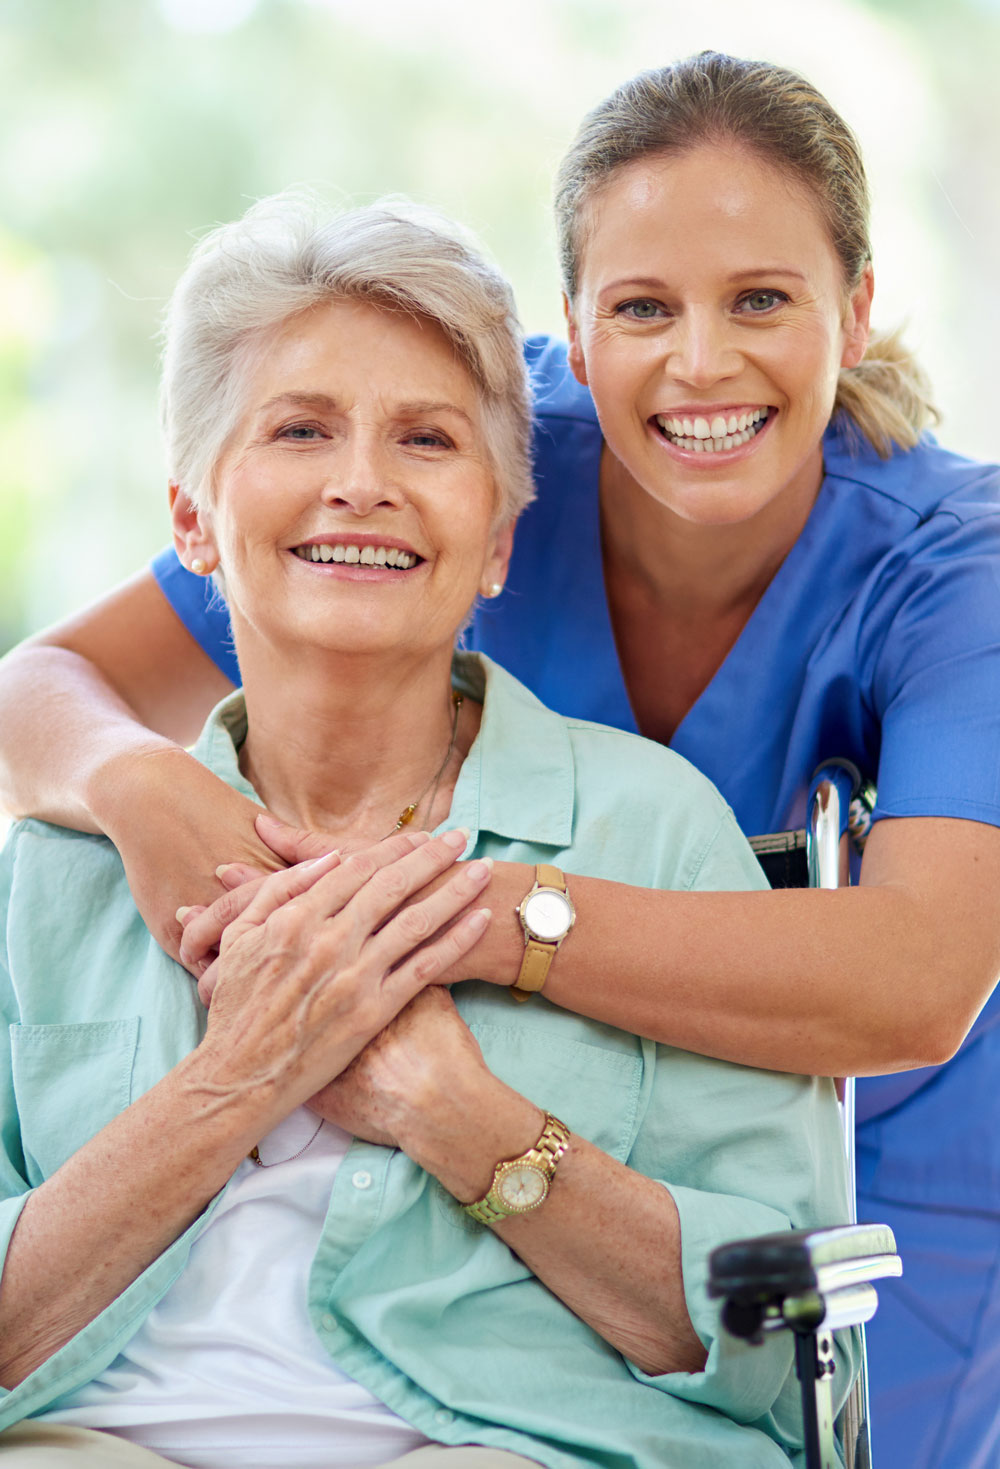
699	573
343	744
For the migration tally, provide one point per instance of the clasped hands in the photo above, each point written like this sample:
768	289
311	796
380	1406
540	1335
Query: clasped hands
325	985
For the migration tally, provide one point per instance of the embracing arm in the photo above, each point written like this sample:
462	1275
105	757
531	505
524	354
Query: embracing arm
91	716
878	978
883	977
123	677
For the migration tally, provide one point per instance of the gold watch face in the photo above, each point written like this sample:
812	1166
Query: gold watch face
522	1186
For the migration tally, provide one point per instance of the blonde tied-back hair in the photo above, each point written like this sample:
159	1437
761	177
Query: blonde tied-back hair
777	114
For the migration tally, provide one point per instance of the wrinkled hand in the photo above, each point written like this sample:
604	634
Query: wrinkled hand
202	925
322	960
398	1084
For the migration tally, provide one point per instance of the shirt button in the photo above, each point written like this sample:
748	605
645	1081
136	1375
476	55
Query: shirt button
362	1179
328	1322
443	1416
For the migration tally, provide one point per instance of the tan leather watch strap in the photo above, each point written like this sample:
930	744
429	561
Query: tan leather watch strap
538	954
534	968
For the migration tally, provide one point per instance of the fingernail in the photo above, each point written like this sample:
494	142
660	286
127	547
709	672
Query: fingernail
480	918
181	914
223	868
480	868
457	839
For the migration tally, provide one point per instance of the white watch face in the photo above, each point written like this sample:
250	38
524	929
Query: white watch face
522	1187
548	915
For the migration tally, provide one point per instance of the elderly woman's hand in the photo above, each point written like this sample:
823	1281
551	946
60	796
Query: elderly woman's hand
274	845
321	961
400	1075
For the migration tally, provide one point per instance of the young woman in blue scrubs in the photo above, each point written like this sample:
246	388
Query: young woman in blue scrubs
744	547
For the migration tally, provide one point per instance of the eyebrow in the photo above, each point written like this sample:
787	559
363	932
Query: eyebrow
657	283
324	402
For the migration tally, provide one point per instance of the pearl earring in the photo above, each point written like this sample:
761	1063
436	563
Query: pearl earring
495	588
199	567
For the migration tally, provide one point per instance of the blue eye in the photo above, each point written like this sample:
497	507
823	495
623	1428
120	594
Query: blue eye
299	432
640	310
759	302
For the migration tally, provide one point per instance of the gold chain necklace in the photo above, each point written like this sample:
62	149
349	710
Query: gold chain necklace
408	812
254	1153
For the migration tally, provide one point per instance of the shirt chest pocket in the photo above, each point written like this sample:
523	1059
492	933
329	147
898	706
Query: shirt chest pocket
596	1091
69	1082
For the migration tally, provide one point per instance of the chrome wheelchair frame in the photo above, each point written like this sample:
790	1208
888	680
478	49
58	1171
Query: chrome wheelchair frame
815	1282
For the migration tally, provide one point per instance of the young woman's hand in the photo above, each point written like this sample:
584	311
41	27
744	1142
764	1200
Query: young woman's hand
191	823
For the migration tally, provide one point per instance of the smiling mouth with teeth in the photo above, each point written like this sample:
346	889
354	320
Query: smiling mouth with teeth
713	436
352	555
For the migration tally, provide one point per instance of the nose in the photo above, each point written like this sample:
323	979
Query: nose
702	351
361	479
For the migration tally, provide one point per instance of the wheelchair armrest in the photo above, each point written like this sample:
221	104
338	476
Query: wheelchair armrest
802	1278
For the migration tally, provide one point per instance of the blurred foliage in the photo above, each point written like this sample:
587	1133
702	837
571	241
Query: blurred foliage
130	126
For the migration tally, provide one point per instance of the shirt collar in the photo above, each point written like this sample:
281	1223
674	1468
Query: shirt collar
518	780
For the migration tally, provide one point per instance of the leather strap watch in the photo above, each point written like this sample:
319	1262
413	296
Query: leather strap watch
547	915
521	1184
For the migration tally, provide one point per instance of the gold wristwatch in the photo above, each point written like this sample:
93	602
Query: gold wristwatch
547	915
521	1184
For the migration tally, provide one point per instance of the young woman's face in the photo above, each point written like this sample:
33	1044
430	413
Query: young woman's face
711	321
354	506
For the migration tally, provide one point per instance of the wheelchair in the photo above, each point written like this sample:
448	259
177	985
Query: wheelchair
815	1282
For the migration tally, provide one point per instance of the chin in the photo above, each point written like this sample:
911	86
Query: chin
710	505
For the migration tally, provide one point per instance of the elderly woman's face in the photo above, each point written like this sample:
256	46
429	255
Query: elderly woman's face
354	506
711	322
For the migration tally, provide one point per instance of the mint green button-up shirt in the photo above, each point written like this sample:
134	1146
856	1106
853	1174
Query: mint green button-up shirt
430	1311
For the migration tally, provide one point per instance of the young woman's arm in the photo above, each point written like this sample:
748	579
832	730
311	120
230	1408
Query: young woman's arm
879	978
887	976
93	718
883	977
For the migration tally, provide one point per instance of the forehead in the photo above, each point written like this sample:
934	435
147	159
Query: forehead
345	348
717	206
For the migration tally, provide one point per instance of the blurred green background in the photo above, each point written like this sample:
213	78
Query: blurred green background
130	126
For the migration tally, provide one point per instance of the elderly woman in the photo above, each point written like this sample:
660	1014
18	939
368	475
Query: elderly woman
489	1226
744	547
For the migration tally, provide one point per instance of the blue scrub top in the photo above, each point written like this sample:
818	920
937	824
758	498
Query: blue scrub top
878	640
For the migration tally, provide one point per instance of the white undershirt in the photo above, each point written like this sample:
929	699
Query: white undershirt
227	1369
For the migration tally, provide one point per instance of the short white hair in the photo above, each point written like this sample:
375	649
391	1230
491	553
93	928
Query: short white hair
287	254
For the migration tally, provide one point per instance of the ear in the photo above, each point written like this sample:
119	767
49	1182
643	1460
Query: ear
857	320
577	365
495	569
193	539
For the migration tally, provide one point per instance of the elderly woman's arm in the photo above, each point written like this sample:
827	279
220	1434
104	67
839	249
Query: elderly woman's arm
316	942
606	1241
